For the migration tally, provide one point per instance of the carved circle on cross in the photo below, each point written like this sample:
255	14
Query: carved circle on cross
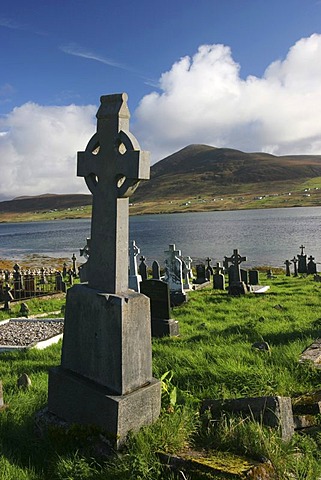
124	142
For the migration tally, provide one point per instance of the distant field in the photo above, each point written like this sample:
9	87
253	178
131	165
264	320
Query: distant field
304	194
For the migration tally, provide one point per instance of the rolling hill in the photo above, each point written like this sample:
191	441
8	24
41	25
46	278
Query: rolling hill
200	168
193	179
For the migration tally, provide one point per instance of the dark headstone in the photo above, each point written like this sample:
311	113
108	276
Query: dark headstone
64	270
158	293
302	259
254	277
209	272
287	268
8	297
312	266
244	276
295	261
60	284
24	310
236	285
142	268
155	270
200	274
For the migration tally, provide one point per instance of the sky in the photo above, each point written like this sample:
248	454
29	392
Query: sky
242	74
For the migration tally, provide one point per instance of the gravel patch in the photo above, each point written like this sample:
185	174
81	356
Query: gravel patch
25	333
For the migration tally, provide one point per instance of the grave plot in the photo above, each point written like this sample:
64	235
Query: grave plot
18	333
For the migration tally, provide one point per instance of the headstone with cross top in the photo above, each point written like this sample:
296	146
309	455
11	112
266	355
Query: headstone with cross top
302	261
112	165
236	259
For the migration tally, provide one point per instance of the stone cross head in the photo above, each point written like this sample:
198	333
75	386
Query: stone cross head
112	165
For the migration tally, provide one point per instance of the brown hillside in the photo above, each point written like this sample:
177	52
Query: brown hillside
210	169
44	202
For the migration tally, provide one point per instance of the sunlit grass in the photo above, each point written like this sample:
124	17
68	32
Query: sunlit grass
212	358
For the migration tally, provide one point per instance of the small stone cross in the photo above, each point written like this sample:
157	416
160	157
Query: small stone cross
294	260
171	252
209	268
112	166
133	252
302	249
74	267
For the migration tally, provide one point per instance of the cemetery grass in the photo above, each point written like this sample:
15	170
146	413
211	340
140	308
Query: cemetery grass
212	358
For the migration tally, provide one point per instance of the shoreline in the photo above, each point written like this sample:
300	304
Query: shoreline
29	218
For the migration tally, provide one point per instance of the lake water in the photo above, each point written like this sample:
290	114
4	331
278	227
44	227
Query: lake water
266	237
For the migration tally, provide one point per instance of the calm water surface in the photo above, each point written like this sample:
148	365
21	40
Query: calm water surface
266	237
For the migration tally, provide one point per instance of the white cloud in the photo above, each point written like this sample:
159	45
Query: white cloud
204	100
38	149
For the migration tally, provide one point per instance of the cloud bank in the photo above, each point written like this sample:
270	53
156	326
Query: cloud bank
201	99
38	149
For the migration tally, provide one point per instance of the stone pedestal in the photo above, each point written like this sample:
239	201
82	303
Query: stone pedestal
79	400
105	377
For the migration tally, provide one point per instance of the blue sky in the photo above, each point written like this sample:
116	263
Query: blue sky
243	74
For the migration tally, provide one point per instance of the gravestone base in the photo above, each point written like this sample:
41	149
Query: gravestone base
78	400
164	327
105	377
237	288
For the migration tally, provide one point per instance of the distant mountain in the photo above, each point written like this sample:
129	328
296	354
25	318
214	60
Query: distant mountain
196	170
48	201
200	168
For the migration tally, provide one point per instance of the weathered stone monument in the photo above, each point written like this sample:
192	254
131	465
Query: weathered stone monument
312	266
287	268
302	258
105	377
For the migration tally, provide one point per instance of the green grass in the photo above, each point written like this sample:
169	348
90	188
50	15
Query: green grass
212	358
37	306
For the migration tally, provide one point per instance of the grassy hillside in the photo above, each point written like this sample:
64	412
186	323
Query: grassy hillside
197	178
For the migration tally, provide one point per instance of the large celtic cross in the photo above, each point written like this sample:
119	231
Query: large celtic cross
112	165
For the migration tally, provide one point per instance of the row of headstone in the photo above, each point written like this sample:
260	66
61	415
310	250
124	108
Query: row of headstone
29	283
301	264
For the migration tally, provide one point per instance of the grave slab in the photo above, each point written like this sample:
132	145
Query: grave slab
218	465
21	334
272	411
